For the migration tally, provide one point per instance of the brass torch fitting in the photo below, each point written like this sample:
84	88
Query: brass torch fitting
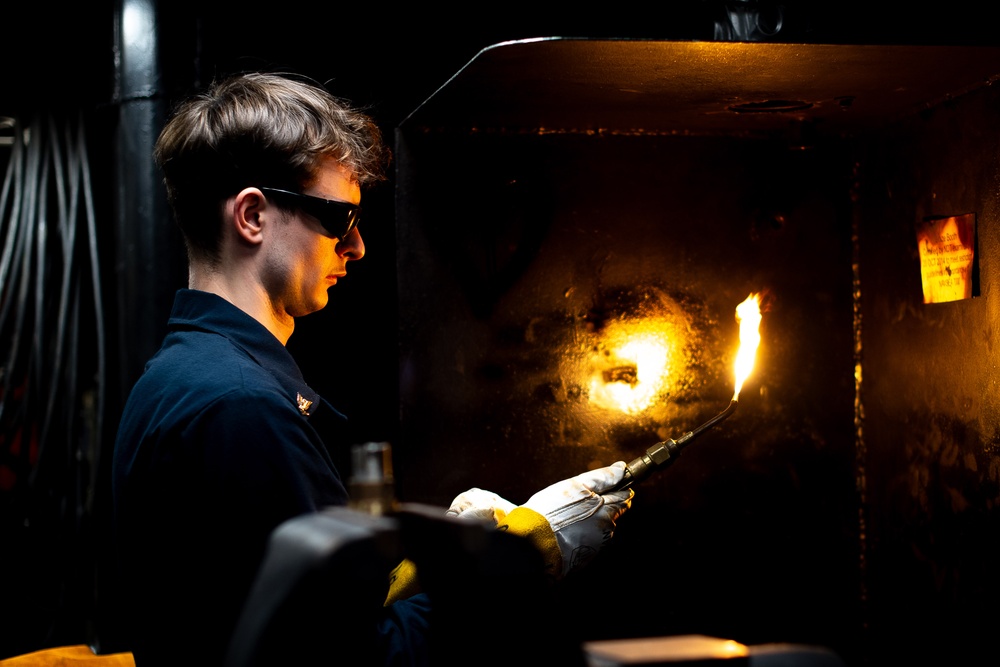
664	453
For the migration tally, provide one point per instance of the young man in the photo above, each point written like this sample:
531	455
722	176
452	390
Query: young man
221	439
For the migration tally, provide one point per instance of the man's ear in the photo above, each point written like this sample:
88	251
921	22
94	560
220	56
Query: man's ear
248	215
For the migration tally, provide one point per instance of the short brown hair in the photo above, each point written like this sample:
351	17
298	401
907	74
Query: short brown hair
258	129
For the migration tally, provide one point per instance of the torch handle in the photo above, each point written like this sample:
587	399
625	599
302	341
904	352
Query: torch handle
663	454
660	454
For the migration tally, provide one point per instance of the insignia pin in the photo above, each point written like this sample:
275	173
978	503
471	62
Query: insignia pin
304	404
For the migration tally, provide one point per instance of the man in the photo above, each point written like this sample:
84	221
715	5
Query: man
221	439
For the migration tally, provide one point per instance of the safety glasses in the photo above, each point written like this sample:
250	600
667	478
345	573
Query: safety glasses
337	217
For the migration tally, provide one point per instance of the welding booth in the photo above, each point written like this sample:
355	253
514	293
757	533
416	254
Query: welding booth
577	221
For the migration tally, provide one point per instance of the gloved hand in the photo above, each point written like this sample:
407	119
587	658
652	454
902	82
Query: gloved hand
582	512
480	504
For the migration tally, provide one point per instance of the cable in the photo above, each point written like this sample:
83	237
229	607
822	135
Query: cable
53	351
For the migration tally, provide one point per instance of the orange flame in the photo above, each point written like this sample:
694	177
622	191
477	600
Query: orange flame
748	315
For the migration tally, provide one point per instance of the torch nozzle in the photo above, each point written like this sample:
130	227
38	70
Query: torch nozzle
664	453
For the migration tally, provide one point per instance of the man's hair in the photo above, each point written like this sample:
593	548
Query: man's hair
257	129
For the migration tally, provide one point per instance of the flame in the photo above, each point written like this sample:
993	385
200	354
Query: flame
748	315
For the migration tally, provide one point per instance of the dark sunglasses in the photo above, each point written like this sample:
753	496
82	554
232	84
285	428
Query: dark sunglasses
337	217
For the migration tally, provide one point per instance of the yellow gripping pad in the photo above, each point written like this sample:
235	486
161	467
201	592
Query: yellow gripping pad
535	527
404	582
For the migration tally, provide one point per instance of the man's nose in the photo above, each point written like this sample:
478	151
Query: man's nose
351	246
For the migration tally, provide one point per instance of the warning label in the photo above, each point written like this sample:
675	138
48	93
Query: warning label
947	251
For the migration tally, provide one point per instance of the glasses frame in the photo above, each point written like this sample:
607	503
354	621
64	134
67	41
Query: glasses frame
339	218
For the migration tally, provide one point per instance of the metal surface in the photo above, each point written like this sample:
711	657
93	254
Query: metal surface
698	88
150	262
556	192
931	412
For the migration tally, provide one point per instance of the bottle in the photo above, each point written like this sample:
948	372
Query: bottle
371	485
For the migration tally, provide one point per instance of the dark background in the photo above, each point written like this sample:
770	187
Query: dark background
65	60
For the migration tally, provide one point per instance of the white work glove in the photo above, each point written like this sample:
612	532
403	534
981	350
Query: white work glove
481	505
582	512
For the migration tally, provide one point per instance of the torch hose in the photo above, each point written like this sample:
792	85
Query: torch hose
663	454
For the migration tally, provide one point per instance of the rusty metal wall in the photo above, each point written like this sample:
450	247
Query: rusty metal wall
519	260
931	412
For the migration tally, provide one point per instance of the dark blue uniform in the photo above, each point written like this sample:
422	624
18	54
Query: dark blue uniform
221	440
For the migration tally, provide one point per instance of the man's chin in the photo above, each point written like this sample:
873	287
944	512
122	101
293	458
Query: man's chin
314	306
322	299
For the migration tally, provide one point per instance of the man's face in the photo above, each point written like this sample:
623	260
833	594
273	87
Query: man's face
303	261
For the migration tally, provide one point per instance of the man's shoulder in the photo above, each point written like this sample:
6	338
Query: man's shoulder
205	355
200	367
204	381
